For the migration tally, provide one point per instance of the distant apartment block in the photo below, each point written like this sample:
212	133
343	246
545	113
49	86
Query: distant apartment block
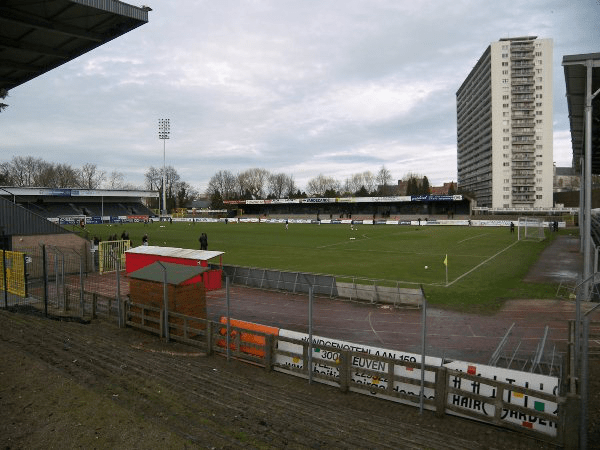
504	126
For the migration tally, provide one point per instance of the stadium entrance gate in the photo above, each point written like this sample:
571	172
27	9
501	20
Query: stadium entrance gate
110	253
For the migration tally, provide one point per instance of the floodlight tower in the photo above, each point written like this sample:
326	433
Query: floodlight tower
164	129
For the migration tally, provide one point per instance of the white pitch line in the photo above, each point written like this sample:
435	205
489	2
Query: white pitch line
472	237
373	330
364	236
481	264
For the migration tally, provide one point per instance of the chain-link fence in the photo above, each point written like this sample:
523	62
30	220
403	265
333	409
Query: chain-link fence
62	281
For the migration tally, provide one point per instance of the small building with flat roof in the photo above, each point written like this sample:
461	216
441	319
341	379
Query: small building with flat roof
144	255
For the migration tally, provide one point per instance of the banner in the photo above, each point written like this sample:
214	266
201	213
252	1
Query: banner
378	384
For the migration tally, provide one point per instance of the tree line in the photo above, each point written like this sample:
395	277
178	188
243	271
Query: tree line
257	183
27	171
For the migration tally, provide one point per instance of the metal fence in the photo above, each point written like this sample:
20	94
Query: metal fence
449	391
353	288
60	281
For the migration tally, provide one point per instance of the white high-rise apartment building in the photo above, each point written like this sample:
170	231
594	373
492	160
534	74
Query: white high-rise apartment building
504	125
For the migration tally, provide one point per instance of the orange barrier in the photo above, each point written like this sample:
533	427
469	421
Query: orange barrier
245	336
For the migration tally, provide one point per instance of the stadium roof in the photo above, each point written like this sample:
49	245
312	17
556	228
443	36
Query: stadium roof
575	67
38	36
73	192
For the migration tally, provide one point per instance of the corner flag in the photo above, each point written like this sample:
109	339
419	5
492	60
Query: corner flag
446	260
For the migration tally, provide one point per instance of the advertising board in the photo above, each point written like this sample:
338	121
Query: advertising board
360	364
542	383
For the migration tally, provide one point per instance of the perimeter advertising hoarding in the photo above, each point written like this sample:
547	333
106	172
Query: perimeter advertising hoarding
534	381
359	364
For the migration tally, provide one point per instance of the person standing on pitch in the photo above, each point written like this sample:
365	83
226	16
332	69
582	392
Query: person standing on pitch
203	241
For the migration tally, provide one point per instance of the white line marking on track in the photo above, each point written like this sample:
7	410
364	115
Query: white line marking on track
373	330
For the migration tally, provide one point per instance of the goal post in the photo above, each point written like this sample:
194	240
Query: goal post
530	229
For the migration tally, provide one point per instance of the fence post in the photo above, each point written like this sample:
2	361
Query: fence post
123	319
5	280
67	299
344	370
569	422
441	384
161	322
94	305
45	275
268	352
81	287
583	385
209	338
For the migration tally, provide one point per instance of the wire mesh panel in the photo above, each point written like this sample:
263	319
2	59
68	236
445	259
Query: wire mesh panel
296	282
109	252
61	281
12	268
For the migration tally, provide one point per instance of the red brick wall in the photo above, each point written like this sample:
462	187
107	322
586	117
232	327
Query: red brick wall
184	299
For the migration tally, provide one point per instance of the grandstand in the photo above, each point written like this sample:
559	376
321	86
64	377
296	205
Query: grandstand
69	205
447	206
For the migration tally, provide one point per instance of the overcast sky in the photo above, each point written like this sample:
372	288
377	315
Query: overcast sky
304	87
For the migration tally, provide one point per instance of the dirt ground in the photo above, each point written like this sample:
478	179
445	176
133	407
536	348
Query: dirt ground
66	384
74	385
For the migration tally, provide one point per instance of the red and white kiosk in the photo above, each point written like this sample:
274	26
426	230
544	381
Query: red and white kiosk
144	255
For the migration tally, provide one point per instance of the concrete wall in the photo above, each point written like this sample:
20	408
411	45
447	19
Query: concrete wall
380	294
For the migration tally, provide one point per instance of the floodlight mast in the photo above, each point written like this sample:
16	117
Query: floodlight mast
164	129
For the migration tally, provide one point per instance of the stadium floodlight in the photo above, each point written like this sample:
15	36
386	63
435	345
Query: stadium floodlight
164	130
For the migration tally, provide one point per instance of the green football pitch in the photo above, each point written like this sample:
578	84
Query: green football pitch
485	265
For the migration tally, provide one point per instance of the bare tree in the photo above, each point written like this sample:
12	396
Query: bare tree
369	181
222	183
23	170
252	182
116	180
281	185
384	177
355	183
153	177
90	177
185	194
321	184
66	176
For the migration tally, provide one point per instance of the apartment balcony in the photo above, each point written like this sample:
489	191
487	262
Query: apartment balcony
521	57
525	150
522	82
523	177
523	164
521	106
522	97
528	142
528	201
523	183
523	65
523	123
522	90
521	46
522	73
523	132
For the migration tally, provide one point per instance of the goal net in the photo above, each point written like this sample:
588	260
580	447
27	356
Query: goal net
530	229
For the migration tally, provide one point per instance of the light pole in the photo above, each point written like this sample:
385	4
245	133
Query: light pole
164	129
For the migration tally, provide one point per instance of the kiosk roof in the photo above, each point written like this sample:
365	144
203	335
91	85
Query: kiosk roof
174	252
